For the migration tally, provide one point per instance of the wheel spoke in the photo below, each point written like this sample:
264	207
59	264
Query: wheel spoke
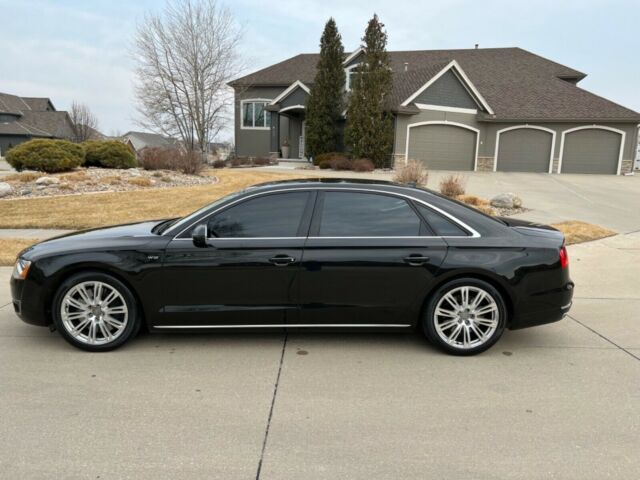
455	333
110	298
446	313
75	303
116	310
485	310
478	333
97	292
480	296
448	323
452	301
113	322
105	331
464	296
81	326
485	322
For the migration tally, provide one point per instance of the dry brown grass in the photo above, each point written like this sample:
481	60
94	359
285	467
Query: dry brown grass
100	209
140	181
453	186
10	247
576	231
412	172
75	177
24	177
473	200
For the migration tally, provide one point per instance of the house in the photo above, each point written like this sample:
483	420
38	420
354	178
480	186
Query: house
502	109
24	118
138	141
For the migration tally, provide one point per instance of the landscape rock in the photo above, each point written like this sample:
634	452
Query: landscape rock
5	189
134	172
25	191
47	181
506	200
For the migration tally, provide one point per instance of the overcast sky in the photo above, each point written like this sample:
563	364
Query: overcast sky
78	49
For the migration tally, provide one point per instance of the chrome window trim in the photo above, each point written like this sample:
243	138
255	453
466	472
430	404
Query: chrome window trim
289	325
474	233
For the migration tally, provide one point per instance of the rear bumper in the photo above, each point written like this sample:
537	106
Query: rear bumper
555	305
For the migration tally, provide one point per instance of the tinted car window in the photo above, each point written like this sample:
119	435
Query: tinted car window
441	225
277	215
347	214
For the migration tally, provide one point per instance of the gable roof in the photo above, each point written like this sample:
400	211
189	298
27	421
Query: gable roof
35	117
517	84
141	140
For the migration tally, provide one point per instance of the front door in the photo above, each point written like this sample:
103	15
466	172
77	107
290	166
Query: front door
247	275
368	261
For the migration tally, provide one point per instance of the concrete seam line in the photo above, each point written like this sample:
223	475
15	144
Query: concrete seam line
5	305
604	338
273	402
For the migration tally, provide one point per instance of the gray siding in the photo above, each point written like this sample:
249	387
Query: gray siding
252	142
524	150
8	141
443	147
447	91
591	151
297	97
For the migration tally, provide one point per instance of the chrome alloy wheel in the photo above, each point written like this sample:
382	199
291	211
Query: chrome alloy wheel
466	317
94	313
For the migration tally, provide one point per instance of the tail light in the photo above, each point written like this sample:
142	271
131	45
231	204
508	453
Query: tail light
564	257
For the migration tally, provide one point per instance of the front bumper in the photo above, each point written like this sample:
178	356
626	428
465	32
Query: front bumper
28	302
551	307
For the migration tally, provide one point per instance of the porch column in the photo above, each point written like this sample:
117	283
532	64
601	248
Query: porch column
275	135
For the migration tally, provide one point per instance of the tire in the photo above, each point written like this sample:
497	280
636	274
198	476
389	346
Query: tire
95	312
478	326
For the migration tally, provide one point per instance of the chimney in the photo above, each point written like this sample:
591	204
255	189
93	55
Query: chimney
477	46
406	66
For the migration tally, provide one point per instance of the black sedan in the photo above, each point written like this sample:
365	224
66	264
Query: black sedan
339	254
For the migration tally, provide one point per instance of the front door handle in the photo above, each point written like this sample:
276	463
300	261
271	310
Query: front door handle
416	259
282	260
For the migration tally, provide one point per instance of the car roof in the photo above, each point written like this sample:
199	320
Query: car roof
330	182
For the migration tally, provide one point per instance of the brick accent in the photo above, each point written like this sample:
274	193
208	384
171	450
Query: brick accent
554	168
485	164
398	160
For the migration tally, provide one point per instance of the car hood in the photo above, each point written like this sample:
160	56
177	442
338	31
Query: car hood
117	236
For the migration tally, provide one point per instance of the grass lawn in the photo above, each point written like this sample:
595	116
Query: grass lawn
100	209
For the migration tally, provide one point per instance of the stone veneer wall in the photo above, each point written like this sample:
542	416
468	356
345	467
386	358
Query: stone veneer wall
626	167
485	164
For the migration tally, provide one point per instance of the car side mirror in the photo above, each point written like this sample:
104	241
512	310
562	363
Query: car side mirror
199	236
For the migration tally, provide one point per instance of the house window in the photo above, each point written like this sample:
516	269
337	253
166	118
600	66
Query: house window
350	73
255	114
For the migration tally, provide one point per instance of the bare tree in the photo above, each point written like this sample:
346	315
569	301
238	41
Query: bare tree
185	57
85	123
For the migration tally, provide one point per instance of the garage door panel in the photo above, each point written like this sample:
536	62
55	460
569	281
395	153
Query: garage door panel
524	150
443	147
591	151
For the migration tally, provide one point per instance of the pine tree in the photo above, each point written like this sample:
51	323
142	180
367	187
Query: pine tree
369	129
325	103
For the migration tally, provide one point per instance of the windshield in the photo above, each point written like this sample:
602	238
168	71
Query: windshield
176	226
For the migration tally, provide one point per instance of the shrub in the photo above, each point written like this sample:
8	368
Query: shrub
46	155
156	158
140	181
340	163
318	159
452	186
261	161
325	164
412	173
188	162
251	161
108	154
362	165
218	164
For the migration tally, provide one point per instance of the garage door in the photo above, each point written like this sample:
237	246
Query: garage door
524	150
591	151
443	147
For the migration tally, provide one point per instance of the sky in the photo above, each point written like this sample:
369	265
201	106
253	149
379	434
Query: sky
80	49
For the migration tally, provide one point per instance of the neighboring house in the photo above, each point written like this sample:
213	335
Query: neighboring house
138	141
500	109
24	118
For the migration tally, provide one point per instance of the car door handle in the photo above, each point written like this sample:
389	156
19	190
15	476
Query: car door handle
282	260
416	260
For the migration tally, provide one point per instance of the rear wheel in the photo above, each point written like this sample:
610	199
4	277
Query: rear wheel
95	311
465	316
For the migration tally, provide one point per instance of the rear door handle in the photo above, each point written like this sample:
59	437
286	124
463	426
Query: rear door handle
282	260
416	259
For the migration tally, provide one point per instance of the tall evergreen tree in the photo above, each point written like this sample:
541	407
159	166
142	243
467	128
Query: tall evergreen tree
325	104
369	123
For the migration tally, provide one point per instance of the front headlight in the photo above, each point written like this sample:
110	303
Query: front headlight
21	269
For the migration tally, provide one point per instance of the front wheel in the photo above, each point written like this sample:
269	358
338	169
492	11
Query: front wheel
95	312
465	316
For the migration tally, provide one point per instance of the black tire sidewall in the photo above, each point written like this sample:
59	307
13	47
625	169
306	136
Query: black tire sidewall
428	324
133	325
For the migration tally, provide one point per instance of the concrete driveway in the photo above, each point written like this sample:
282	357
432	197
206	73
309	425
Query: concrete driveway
559	401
